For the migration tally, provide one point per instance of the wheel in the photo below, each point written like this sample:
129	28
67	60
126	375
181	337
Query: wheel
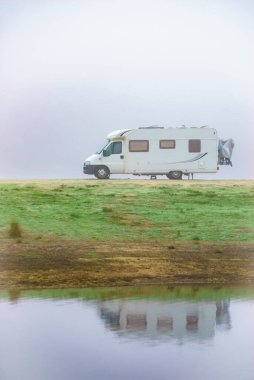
102	172
175	175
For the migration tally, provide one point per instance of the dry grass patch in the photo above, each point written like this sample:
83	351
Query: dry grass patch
87	264
14	231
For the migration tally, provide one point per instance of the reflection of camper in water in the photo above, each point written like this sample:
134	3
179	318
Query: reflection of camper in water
222	314
156	320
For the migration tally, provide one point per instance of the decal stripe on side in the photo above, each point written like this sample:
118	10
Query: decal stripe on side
201	155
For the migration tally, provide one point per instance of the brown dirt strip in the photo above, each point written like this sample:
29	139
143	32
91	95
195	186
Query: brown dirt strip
61	264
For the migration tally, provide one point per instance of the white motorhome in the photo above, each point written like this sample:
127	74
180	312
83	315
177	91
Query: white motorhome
160	151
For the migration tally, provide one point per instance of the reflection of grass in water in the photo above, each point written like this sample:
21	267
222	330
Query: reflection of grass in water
104	211
202	293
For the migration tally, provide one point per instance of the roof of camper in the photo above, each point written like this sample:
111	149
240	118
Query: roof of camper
121	132
118	133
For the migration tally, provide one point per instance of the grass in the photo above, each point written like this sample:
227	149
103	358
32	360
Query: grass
94	233
14	231
136	211
166	293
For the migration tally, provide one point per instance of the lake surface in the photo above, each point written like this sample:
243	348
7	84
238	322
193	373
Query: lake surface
179	333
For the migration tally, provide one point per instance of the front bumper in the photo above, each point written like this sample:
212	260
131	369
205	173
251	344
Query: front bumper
88	169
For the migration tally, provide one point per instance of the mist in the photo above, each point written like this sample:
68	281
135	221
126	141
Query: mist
73	71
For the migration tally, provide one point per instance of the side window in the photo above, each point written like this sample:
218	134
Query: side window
108	151
117	147
195	146
113	148
167	144
138	145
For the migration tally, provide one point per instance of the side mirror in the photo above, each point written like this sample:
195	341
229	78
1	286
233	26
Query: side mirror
105	153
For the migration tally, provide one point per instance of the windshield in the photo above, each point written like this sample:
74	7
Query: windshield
104	147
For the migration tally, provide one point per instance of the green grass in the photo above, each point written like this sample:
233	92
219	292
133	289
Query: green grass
118	211
197	293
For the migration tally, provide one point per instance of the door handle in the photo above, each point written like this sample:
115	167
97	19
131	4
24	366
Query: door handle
122	156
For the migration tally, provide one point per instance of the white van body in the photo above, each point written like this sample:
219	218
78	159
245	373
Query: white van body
156	151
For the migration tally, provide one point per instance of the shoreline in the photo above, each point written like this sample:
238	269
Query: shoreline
87	264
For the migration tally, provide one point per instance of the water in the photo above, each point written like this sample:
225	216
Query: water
143	333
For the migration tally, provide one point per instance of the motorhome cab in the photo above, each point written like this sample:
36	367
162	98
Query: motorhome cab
160	151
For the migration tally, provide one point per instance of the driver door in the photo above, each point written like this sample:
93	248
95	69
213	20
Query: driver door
113	157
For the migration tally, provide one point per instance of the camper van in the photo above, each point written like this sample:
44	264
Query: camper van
153	151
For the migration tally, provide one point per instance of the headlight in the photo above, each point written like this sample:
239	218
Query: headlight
87	163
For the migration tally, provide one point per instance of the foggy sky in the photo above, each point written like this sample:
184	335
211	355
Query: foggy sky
73	71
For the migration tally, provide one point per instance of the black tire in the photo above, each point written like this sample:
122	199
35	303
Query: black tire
102	172
175	175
